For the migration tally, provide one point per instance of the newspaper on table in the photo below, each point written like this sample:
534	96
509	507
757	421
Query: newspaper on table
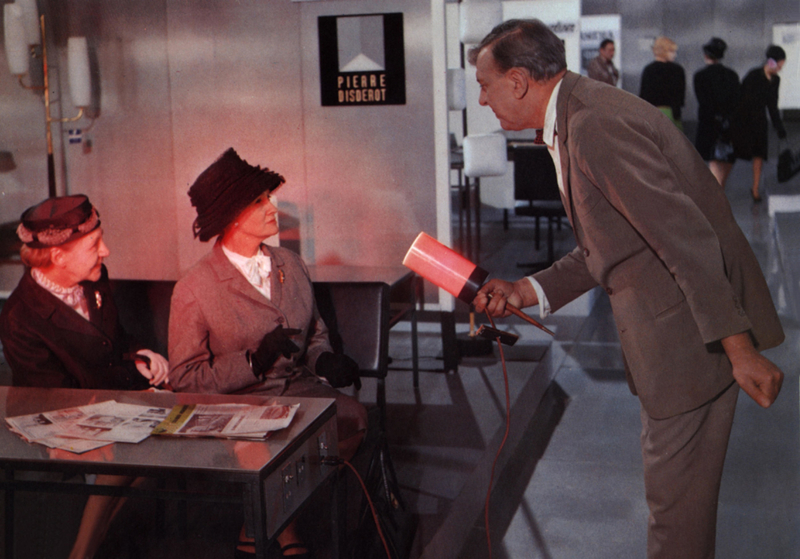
231	421
87	427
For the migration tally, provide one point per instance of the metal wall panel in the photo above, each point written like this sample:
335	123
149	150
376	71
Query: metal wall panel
179	82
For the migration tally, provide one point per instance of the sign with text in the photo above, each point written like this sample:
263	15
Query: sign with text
362	60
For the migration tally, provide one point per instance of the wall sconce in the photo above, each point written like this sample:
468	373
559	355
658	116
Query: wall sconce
24	29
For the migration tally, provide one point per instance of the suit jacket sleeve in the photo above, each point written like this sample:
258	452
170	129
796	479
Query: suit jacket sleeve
572	277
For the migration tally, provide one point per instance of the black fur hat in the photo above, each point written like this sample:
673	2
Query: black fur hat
224	189
715	48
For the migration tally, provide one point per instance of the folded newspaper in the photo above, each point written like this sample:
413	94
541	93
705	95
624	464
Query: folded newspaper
231	421
84	428
87	427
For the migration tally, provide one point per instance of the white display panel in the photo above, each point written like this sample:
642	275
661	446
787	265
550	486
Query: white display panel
787	36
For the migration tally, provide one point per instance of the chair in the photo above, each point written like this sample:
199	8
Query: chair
357	315
536	185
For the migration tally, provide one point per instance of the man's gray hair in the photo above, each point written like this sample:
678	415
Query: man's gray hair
524	43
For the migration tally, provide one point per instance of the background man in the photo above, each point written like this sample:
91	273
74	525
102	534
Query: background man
654	229
601	67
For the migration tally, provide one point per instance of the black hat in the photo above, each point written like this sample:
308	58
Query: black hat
776	53
227	187
57	221
715	48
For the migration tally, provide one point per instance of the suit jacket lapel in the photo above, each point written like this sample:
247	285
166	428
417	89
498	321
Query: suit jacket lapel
229	275
276	278
53	309
562	105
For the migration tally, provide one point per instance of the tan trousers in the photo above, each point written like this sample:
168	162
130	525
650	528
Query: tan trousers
683	460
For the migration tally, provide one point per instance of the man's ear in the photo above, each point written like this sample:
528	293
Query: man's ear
519	78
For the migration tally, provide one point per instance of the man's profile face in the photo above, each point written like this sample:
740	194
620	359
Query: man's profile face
82	259
497	91
607	52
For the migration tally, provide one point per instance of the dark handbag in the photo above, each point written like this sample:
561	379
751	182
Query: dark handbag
723	147
723	151
788	163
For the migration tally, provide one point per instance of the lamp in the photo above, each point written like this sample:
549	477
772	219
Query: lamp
24	29
456	89
30	21
447	269
485	155
16	42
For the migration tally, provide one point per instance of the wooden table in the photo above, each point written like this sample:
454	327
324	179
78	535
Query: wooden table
275	477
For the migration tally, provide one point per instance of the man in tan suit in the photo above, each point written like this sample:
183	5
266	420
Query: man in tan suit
654	230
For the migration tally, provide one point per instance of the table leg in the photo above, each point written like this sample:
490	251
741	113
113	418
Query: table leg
255	517
9	515
338	514
418	300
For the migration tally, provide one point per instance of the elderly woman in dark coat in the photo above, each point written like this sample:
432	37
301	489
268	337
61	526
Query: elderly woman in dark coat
750	129
243	319
60	328
717	91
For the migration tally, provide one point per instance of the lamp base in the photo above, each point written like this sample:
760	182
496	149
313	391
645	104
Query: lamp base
474	346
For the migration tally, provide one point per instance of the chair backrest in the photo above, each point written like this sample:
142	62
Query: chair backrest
143	307
357	315
534	175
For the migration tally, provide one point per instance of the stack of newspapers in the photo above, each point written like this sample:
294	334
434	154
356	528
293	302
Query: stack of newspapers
84	428
229	421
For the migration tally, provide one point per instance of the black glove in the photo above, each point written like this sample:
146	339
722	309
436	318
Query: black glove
340	370
272	346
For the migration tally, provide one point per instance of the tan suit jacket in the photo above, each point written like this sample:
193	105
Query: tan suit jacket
655	230
216	316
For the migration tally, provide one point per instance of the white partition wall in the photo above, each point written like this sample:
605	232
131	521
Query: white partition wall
563	17
787	35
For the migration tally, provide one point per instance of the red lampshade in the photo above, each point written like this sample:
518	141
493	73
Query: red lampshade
445	268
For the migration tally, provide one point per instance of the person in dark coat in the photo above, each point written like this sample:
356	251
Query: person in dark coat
60	329
664	82
717	91
759	95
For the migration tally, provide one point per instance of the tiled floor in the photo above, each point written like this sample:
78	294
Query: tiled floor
584	497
